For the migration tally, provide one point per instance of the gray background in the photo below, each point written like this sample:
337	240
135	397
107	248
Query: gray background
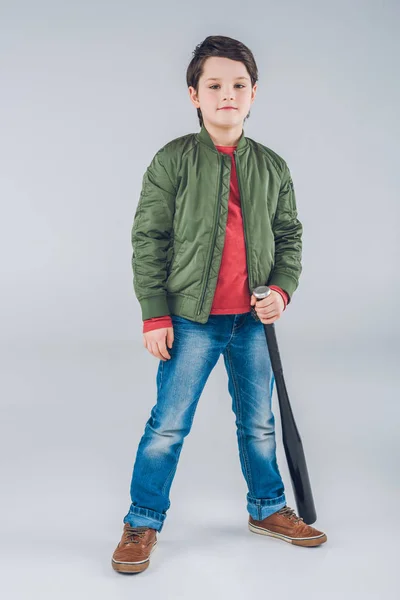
89	92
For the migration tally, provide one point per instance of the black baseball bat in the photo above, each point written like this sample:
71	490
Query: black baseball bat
290	434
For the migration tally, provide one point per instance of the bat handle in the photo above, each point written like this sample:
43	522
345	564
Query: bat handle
260	292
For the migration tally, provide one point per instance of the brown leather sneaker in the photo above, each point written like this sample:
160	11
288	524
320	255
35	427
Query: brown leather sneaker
132	555
287	526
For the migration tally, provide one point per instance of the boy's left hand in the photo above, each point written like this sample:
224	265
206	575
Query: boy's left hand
268	309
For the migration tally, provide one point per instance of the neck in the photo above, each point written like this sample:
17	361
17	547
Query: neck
224	136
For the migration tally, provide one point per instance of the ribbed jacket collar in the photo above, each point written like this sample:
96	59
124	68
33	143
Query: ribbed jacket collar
204	137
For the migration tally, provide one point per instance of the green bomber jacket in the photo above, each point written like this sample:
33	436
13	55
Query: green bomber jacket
180	221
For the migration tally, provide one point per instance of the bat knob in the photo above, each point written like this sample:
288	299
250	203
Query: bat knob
260	292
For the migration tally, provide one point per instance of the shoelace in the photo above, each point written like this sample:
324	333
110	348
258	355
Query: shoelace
134	534
289	512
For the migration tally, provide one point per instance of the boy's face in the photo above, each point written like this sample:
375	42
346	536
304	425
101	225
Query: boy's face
224	82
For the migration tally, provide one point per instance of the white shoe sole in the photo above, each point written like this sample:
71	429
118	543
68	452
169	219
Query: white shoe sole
123	566
314	540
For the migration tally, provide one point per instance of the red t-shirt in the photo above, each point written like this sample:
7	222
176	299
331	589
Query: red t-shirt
232	295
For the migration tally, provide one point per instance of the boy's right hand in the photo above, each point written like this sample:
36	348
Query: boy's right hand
156	342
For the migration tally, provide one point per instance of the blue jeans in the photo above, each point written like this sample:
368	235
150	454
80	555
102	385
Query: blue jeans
180	382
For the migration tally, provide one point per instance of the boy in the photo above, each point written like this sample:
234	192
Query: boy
216	218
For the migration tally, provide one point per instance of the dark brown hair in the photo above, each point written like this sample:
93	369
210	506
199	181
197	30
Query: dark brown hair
219	45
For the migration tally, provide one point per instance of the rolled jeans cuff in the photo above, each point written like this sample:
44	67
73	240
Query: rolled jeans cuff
260	508
138	516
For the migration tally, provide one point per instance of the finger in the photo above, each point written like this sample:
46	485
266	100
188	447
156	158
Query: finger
268	321
265	301
271	319
170	337
155	352
266	314
269	315
162	348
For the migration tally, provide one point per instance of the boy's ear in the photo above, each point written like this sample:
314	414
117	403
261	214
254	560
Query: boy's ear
193	97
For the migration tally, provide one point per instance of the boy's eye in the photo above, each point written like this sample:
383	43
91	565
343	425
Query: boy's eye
217	84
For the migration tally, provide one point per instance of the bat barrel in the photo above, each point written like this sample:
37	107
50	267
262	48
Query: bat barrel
290	436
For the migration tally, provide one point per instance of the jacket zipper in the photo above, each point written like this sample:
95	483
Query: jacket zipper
242	203
214	236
